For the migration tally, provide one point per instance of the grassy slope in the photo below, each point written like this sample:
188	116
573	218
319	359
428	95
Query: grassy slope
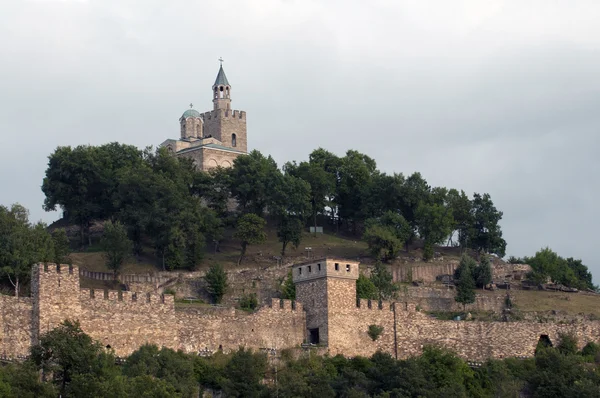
259	255
330	245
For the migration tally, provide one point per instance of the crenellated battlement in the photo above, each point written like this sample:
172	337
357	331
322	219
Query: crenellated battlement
52	268
126	297
224	113
286	305
365	304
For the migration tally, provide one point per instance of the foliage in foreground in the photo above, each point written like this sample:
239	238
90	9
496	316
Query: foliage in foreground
73	365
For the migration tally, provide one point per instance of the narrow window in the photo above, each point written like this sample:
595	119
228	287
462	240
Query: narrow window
337	267
347	267
233	140
299	271
319	266
309	268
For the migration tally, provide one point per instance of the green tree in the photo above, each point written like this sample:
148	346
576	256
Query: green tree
465	286
366	289
116	245
355	175
250	230
248	302
483	272
385	235
434	223
290	207
62	247
82	181
289	230
414	192
253	179
216	282
460	204
173	367
21	244
567	344
383	281
322	184
382	241
22	381
244	374
485	233
64	352
288	288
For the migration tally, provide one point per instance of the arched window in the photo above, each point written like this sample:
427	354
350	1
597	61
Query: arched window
233	140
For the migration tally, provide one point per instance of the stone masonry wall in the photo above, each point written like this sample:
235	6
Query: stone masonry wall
424	272
55	296
282	325
442	299
125	320
480	340
16	325
223	123
348	329
313	297
207	158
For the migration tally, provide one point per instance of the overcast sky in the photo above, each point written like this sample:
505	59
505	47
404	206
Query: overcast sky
487	96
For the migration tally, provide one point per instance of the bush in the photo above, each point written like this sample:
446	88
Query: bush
365	288
375	331
249	302
216	280
591	351
567	344
288	289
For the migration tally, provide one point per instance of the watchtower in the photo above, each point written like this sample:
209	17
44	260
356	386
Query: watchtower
55	293
324	286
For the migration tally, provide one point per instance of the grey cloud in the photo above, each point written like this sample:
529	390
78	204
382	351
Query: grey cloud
497	97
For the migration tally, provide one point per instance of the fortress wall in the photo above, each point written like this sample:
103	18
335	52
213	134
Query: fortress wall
16	316
434	299
422	272
348	329
481	340
126	321
313	297
55	296
282	325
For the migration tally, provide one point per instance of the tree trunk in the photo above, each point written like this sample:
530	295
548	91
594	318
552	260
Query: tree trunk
243	253
17	288
82	234
315	220
283	248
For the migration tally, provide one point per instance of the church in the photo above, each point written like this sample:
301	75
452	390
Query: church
213	138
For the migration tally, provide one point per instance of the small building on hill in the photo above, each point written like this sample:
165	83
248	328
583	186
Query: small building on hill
214	138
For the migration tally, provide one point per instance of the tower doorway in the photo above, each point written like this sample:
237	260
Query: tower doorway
313	336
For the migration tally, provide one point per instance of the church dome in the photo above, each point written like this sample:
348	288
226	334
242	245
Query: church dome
190	113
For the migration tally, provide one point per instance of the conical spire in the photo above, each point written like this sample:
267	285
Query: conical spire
221	78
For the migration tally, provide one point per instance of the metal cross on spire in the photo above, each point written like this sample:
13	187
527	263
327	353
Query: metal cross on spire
221	60
191	105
